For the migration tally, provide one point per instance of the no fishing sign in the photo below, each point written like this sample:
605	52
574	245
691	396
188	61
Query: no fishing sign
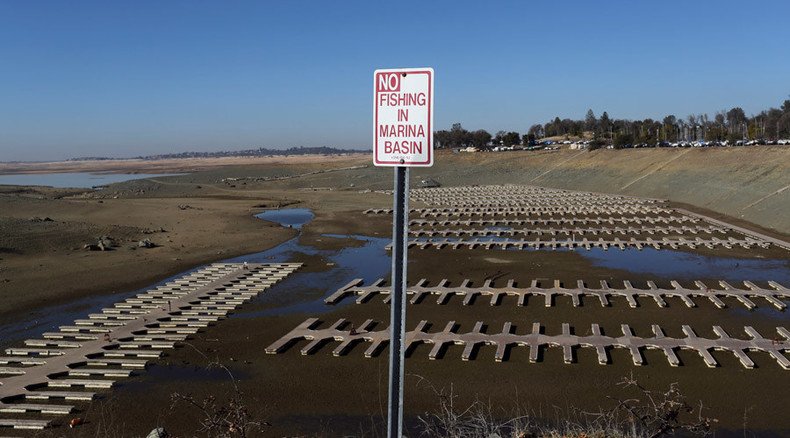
402	138
403	117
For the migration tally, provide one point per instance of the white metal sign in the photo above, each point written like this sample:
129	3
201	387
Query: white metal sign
403	117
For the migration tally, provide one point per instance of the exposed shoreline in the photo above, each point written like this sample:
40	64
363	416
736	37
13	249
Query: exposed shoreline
208	216
165	165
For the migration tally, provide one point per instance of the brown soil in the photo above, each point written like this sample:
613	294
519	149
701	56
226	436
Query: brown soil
324	395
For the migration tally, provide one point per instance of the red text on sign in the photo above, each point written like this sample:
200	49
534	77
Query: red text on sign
402	147
388	82
402	99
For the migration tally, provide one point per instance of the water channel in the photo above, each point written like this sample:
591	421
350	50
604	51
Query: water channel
304	291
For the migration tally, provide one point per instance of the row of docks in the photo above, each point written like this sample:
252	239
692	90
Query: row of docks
571	244
47	376
482	196
536	341
472	211
774	294
526	211
598	220
504	231
500	217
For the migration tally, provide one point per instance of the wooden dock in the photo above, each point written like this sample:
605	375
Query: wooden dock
536	340
69	365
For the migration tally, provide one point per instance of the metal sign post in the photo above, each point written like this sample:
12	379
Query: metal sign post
402	138
400	231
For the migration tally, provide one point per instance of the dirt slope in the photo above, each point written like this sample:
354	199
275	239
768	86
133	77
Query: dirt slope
748	183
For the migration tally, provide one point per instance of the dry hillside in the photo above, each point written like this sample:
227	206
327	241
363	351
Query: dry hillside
748	183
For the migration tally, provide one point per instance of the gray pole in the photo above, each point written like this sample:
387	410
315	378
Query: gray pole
400	229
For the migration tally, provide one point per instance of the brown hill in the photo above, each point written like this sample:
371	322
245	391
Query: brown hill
750	183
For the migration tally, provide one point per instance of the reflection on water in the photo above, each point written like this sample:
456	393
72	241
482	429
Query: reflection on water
75	179
48	319
764	312
305	291
666	263
288	217
677	265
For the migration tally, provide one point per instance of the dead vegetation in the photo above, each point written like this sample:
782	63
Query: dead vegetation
221	417
639	413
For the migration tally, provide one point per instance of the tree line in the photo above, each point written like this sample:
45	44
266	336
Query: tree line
727	125
457	136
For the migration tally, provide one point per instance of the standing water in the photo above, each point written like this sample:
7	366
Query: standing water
288	217
75	179
680	265
300	291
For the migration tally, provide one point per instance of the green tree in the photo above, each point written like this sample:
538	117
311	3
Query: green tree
480	138
783	126
442	139
623	140
735	120
536	131
590	122
511	138
604	125
458	135
670	128
596	143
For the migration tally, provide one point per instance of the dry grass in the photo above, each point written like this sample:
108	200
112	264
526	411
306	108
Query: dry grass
646	414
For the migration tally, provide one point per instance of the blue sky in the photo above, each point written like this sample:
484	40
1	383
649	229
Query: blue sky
83	78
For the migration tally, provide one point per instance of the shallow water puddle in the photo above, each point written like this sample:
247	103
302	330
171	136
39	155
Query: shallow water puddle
288	217
680	265
305	291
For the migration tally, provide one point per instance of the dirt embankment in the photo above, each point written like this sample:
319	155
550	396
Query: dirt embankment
751	183
748	183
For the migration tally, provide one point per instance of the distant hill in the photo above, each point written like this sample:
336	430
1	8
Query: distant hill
260	152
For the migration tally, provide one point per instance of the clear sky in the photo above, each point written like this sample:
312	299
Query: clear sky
80	78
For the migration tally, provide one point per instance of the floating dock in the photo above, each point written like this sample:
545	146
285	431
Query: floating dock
536	340
443	291
47	375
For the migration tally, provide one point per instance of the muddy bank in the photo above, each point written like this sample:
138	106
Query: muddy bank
44	260
320	394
